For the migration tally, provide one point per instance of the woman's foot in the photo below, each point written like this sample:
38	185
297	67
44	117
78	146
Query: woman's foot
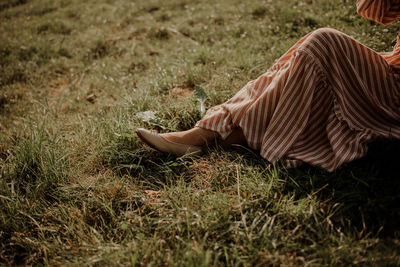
190	141
162	144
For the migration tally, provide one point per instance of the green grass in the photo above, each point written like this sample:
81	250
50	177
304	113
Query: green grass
78	187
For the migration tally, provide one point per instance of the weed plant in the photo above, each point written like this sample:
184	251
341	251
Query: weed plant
78	187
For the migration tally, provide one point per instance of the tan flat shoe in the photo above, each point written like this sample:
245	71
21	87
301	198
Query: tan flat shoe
159	143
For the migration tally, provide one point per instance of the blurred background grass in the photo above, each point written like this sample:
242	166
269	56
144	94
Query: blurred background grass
77	186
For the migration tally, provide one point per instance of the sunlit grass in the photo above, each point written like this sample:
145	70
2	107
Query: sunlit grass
77	186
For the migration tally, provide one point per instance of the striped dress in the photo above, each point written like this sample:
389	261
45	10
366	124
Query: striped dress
322	102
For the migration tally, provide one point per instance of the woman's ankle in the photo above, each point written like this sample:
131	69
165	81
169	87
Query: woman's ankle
235	138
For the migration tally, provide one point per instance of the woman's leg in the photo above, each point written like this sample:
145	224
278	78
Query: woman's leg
200	137
195	137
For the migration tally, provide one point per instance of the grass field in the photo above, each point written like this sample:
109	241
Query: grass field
78	187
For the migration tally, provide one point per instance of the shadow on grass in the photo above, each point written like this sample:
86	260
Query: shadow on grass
367	189
153	168
364	193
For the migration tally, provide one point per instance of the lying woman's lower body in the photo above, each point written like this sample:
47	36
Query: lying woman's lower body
320	103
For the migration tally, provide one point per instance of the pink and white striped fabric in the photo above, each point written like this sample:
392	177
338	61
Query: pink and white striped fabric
322	102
